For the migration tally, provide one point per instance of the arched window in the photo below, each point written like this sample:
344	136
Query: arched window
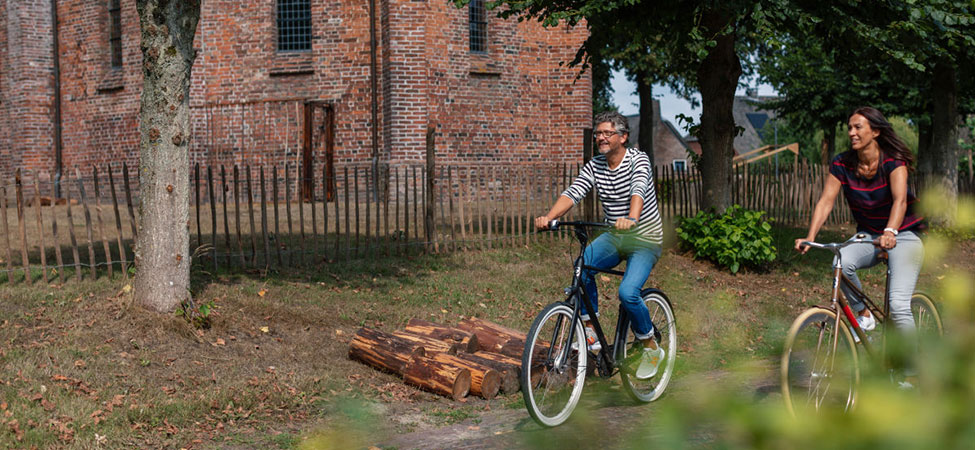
478	26
294	25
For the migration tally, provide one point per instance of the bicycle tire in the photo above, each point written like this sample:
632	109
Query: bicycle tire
553	373
662	316
927	318
813	376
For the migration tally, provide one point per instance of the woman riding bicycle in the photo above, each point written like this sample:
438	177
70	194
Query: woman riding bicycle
873	176
624	183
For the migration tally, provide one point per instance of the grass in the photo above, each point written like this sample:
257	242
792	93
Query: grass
82	367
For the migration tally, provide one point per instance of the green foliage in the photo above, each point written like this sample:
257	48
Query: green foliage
739	237
199	316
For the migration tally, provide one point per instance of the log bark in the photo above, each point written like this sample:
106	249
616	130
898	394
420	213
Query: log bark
485	381
491	337
509	372
382	350
437	377
431	345
514	348
466	339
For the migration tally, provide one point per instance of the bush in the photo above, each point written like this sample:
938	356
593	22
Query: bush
739	237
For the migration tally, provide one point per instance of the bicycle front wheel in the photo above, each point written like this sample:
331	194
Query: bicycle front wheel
665	328
926	318
819	364
553	369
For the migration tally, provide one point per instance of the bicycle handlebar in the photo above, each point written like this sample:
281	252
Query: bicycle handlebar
555	224
859	238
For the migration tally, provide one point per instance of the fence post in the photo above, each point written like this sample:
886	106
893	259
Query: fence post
428	226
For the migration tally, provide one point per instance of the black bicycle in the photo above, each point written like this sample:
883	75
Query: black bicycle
556	359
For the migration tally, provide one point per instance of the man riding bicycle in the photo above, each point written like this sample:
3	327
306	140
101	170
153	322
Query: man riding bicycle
623	180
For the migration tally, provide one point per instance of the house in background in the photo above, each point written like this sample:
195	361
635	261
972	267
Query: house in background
754	120
669	148
348	82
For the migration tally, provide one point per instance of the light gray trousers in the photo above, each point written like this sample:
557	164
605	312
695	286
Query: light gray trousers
905	265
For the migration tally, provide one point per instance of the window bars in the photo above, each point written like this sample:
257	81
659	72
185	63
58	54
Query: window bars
478	26
294	25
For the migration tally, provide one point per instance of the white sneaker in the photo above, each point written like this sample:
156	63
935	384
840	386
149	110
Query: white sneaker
867	323
650	362
592	342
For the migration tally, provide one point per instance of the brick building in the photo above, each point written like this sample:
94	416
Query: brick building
289	80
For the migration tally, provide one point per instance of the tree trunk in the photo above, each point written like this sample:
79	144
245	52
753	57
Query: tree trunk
940	167
717	78
647	117
162	280
828	148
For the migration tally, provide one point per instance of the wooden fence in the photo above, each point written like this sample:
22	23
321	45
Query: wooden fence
244	218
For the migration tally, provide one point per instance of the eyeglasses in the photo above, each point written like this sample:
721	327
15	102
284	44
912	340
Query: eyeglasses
604	134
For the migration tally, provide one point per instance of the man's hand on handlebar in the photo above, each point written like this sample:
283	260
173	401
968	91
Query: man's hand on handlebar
542	222
624	223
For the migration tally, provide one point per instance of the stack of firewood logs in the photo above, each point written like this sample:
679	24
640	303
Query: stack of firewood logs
474	357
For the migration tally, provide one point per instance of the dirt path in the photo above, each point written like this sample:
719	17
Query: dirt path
603	409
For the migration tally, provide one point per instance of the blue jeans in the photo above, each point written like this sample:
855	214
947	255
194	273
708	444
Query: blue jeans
606	252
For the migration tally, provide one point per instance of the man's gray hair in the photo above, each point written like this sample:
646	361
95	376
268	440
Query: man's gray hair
618	120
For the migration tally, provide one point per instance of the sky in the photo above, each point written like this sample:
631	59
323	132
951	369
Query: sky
624	96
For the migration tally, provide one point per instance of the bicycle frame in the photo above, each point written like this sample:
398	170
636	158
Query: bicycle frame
841	306
576	297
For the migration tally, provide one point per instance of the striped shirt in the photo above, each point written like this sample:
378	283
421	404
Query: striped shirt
870	199
615	187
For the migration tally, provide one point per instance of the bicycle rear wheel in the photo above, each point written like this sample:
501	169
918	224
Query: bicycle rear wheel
665	327
553	369
819	368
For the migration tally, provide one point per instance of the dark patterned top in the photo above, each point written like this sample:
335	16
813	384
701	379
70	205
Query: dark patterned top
870	199
616	186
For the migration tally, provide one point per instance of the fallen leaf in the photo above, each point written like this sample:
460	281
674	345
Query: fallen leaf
604	278
265	330
339	332
261	292
221	342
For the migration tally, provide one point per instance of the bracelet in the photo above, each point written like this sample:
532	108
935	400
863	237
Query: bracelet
632	219
892	230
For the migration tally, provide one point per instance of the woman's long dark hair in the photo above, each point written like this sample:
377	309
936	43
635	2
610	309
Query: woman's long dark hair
889	142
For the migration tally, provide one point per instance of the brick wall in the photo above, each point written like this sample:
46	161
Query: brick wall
512	104
26	85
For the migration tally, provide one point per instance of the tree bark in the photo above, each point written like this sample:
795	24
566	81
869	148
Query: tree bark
430	344
939	168
491	337
485	380
717	79
828	148
647	117
438	377
162	280
509	372
466	339
383	351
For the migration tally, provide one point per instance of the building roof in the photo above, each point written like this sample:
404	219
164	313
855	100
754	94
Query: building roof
749	115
